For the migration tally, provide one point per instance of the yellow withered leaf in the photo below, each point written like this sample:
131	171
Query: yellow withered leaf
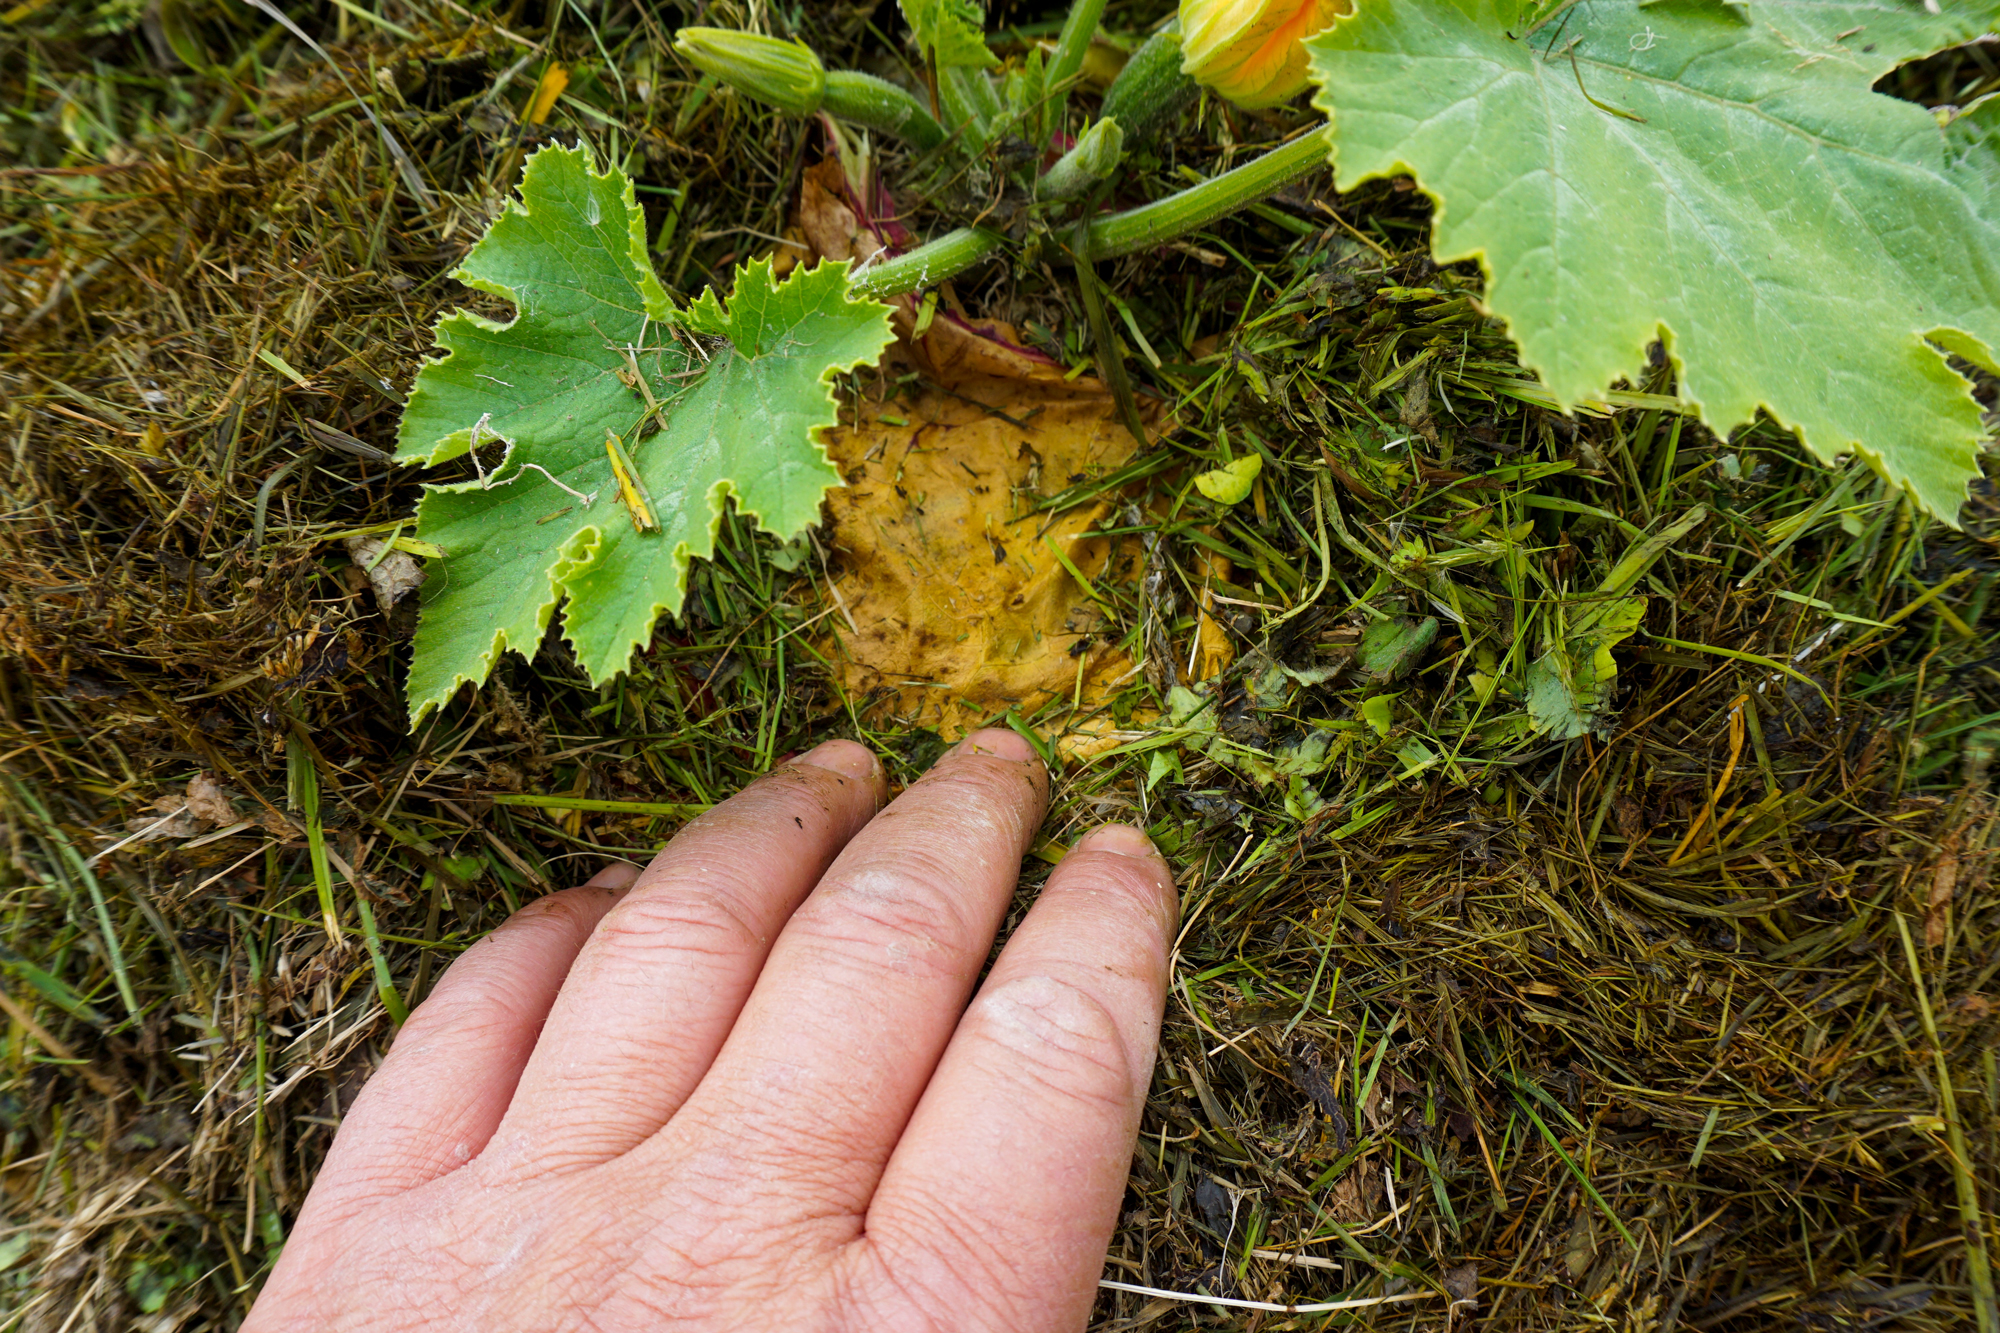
952	604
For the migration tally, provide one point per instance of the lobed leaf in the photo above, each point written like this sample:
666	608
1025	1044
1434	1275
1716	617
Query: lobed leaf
1717	176
951	32
746	389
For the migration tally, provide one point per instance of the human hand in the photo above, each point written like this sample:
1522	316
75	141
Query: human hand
742	1089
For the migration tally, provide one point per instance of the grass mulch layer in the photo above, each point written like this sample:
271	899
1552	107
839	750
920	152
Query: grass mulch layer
1683	1022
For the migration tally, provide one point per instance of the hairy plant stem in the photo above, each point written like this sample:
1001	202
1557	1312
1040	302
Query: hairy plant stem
881	106
928	264
1198	205
1113	234
1151	87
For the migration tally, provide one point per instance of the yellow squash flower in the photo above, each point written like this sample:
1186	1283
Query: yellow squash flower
1252	51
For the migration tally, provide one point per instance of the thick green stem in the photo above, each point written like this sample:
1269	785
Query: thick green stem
1197	206
1106	237
881	106
1151	87
1074	43
928	264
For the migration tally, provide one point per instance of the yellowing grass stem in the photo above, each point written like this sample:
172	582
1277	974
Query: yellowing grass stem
1978	1266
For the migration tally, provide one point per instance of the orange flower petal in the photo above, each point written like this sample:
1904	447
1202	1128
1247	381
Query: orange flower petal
1251	52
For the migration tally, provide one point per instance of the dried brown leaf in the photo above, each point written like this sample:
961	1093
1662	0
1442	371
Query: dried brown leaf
393	574
208	800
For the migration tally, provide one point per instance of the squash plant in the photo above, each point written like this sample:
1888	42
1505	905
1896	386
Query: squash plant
1715	176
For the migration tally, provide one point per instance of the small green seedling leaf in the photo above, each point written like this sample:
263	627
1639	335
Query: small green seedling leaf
1569	685
1391	647
1230	483
1191	713
1715	175
624	425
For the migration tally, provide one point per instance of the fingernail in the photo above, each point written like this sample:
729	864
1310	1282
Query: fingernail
1118	839
850	759
1000	741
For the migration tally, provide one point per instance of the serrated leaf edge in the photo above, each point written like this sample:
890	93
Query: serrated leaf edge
659	306
709	313
1663	332
565	556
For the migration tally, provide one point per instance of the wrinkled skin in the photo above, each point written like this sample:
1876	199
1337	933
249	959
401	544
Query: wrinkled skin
743	1089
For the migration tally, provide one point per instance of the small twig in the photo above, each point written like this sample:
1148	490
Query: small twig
1197	1298
134	837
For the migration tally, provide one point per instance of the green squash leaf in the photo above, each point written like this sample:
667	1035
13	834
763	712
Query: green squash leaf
745	392
951	32
1715	175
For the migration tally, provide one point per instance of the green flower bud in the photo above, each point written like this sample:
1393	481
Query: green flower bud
1093	159
786	75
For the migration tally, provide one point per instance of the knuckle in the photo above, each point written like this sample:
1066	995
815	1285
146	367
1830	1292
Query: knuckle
674	918
1120	886
1057	1037
814	797
956	1279
902	914
479	992
481	1014
390	1171
472	1006
569	910
1125	877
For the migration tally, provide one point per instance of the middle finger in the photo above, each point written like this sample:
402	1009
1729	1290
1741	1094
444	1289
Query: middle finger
865	985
